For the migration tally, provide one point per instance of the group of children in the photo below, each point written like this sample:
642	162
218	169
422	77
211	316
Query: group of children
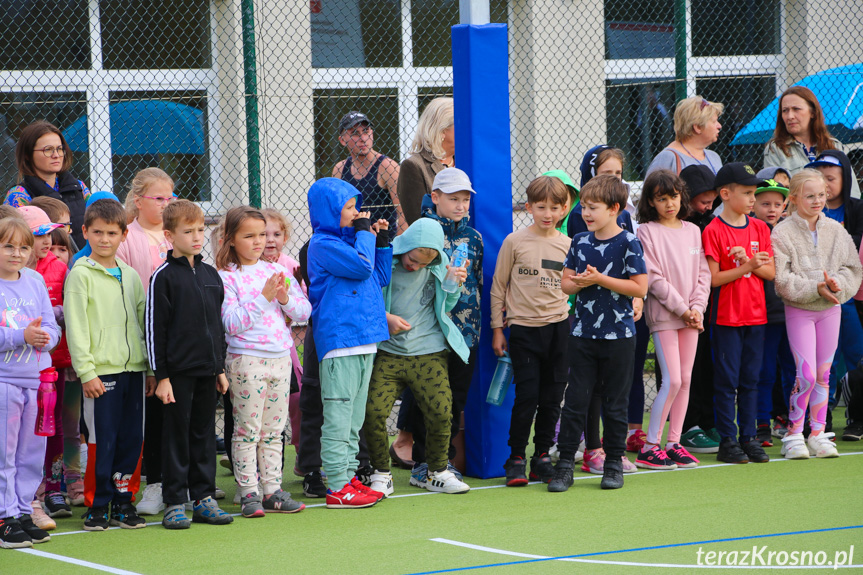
140	319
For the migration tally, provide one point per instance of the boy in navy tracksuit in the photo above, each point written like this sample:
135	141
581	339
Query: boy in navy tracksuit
184	344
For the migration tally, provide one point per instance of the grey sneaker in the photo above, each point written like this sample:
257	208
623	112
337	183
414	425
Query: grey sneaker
175	518
612	475
250	505
561	478
208	511
281	502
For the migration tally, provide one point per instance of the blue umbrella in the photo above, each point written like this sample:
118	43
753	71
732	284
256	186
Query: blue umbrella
146	127
840	92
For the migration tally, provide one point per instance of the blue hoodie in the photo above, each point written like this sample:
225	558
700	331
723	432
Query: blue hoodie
425	233
466	313
346	273
576	224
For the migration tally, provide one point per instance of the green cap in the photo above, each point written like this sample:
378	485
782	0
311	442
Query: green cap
564	177
772	186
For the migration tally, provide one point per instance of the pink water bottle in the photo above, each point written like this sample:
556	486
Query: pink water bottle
46	399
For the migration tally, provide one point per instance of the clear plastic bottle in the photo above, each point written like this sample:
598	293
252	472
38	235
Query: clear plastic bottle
500	381
459	256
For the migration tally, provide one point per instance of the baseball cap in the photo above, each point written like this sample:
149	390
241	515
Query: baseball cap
452	180
351	119
771	186
736	173
770	172
824	160
39	222
698	179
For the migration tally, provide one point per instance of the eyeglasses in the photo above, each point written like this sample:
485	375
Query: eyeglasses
67	224
160	200
9	250
704	104
49	151
359	133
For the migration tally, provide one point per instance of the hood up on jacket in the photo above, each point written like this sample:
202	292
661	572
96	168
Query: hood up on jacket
588	164
423	233
326	199
847	177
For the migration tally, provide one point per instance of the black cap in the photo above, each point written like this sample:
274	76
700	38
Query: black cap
351	119
698	179
737	173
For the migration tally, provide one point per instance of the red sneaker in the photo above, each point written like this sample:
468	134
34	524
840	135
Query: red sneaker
635	442
349	498
358	485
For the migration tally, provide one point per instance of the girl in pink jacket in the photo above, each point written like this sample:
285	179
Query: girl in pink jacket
678	286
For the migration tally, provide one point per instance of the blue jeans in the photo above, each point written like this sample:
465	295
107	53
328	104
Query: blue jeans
850	346
777	352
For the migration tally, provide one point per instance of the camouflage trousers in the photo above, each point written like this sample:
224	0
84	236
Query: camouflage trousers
426	376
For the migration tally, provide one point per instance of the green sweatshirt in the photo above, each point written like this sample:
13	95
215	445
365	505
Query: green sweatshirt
104	320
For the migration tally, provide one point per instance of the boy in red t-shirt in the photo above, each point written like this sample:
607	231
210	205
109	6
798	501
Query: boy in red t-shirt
740	257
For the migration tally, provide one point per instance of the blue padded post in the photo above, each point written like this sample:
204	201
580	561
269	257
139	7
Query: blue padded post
482	136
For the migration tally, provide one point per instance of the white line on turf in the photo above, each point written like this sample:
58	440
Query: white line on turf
580	478
632	563
79	562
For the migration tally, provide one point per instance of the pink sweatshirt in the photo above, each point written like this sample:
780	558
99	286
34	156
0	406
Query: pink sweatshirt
136	252
678	278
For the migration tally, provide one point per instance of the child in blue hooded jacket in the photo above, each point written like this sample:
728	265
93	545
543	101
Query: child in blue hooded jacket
349	263
416	355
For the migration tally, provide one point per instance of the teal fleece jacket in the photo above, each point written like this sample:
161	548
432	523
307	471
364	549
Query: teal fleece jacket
104	320
426	233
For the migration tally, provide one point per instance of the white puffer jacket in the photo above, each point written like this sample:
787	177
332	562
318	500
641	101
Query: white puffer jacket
800	264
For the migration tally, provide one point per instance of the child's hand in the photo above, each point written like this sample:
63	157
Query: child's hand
35	335
758	260
93	388
588	277
738	254
637	308
361	215
269	289
460	273
282	294
165	391
825	293
222	383
832	284
498	342
380	225
396	324
149	386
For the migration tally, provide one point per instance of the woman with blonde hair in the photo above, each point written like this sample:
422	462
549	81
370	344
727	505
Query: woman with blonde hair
432	150
696	126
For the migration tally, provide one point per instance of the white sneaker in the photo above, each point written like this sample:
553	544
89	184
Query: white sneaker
382	482
794	446
151	501
821	445
446	482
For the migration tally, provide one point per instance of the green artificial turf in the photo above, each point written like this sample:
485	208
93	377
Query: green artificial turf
653	509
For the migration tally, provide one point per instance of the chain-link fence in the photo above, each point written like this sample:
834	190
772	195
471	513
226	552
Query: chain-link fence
239	100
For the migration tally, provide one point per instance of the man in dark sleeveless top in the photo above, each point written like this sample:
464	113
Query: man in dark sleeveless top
371	172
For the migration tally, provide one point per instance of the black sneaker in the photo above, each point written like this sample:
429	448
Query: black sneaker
853	431
12	535
36	534
541	468
561	478
515	468
313	485
828	425
763	435
612	475
96	519
364	474
731	452
755	452
126	516
55	505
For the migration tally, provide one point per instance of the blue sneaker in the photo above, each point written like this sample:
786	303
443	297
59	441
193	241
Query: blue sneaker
420	475
175	518
207	511
456	472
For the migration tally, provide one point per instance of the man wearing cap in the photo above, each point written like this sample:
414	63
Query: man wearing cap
375	175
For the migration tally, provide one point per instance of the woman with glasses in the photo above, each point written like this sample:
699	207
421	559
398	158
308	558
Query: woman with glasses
696	126
44	159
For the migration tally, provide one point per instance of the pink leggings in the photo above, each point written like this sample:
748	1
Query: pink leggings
675	351
813	336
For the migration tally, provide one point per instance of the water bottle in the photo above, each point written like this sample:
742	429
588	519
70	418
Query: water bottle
500	381
46	399
459	256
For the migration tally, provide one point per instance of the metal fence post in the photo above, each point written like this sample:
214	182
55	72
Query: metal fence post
250	74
